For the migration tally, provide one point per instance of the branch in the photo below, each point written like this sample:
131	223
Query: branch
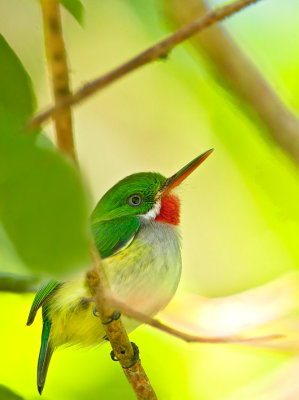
242	77
116	332
58	70
157	51
155	323
96	278
17	283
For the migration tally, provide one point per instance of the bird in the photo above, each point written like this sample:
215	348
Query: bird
135	227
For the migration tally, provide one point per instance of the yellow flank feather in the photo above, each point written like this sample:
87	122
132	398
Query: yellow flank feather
72	318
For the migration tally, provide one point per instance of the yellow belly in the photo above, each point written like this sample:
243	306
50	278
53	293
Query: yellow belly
73	321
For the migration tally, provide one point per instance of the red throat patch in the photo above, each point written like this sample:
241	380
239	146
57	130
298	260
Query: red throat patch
170	210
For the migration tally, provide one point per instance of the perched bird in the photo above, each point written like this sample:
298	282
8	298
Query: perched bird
135	228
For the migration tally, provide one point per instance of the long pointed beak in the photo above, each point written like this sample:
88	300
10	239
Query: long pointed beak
182	174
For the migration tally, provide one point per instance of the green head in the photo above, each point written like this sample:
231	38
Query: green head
133	195
143	193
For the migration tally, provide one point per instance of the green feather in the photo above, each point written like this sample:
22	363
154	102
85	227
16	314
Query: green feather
112	235
114	221
41	296
114	203
45	355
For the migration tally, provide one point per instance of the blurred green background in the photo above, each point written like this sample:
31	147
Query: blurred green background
239	212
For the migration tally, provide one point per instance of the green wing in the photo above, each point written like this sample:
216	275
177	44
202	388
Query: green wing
41	296
112	235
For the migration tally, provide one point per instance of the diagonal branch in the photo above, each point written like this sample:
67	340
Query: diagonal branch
155	52
187	337
96	277
237	72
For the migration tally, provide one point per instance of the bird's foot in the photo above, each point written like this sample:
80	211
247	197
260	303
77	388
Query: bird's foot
134	359
115	316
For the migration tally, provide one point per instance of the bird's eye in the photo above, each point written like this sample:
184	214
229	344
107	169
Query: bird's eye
135	200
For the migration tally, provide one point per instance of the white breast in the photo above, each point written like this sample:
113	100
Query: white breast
146	274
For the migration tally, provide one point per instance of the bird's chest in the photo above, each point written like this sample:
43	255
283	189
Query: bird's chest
146	274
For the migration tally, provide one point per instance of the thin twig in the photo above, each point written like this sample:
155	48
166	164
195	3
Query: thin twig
18	283
187	337
96	277
58	70
157	51
240	74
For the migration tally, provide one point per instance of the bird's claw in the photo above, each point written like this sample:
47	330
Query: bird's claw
134	359
115	316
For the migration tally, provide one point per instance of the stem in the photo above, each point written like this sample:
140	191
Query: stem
155	52
58	71
96	277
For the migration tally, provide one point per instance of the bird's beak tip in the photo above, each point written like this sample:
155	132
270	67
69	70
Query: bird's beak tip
184	172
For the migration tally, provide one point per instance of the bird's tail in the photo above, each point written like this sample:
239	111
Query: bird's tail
45	355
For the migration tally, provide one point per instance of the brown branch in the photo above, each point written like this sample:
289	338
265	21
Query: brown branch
155	323
116	332
240	75
96	277
18	283
58	70
159	50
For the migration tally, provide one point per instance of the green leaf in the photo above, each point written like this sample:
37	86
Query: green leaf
42	206
76	8
7	394
42	199
17	100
